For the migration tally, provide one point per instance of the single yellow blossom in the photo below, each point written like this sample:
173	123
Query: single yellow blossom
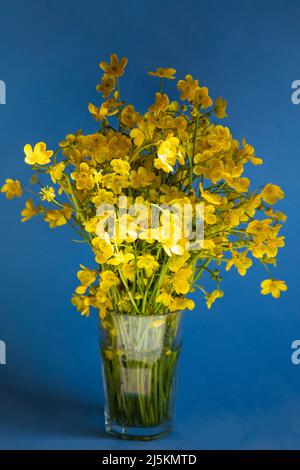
168	153
202	98
29	211
106	86
213	296
129	116
47	193
141	178
248	153
90	225
148	263
39	155
179	304
86	276
273	287
83	177
103	250
220	139
115	68
161	103
12	188
220	108
181	280
277	215
82	303
176	262
120	167
56	217
240	261
163	73
128	271
272	193
165	299
209	216
104	197
121	258
212	198
56	172
108	280
241	185
188	88
137	136
108	108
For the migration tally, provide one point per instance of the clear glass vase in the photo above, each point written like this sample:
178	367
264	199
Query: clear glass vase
139	362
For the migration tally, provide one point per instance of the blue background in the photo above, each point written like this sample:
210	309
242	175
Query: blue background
238	387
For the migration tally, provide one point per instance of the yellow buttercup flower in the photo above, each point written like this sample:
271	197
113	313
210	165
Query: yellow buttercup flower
240	261
108	108
56	172
86	276
202	98
212	198
106	86
179	304
161	103
129	116
173	245
103	249
277	215
248	153
47	193
220	139
212	297
168	153
116	182
162	163
12	188
83	177
272	193
241	185
29	211
128	271
82	303
188	88
121	258
209	216
103	197
272	246
138	136
220	108
39	155
108	280
181	280
120	166
141	178
148	263
164	298
56	218
115	68
163	73
273	287
91	224
176	262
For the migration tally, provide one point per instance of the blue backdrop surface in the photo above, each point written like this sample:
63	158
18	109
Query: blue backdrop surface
238	387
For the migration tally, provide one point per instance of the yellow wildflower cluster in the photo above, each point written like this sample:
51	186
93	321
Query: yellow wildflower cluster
177	152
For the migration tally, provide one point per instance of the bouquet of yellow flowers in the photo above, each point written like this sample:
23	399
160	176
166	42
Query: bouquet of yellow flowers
161	199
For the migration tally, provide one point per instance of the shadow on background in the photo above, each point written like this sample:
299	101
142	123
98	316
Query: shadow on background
32	409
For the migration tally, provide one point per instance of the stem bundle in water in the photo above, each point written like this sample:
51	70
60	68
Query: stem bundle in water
140	357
